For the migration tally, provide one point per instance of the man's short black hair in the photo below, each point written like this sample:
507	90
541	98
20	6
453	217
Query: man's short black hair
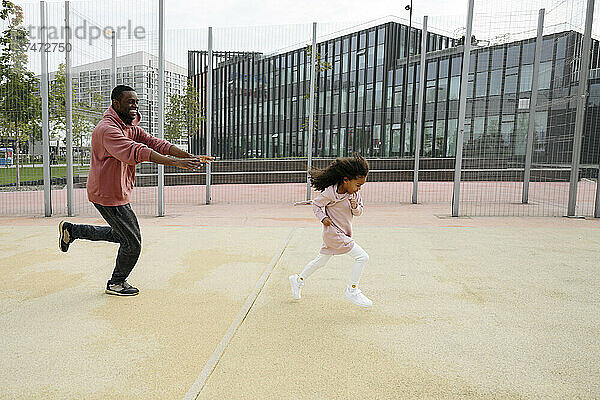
117	92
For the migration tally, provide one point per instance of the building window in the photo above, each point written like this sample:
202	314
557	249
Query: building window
510	84
526	78
451	141
547	50
561	47
428	139
456	66
380	54
440	128
442	90
498	59
443	73
495	82
520	137
513	56
430	92
545	75
478	127
481	85
528	53
454	88
483	61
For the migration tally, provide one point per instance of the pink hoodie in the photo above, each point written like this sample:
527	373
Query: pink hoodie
337	238
116	149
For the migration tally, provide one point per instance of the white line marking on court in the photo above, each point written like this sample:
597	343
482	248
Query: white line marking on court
209	367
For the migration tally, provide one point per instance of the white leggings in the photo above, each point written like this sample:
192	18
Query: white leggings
360	260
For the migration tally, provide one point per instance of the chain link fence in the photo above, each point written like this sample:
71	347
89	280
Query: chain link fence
391	90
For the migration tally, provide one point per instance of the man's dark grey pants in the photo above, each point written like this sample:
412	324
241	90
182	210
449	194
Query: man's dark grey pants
123	229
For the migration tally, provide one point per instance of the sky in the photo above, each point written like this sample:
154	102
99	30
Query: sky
198	14
274	25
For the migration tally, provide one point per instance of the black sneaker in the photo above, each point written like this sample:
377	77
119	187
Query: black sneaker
121	289
65	237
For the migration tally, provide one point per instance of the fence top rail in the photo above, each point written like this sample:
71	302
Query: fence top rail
371	171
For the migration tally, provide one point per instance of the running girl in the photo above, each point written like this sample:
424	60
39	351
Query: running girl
335	207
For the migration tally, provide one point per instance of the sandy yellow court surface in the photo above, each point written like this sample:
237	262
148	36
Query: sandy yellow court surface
463	308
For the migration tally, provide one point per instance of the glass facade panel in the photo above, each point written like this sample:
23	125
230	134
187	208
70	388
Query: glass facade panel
547	49
481	85
510	84
456	66
545	75
444	65
561	47
408	142
452	133
528	53
431	70
495	82
478	127
506	133
483	61
428	139
442	91
440	130
540	136
396	139
520	136
513	56
498	58
526	78
359	103
454	88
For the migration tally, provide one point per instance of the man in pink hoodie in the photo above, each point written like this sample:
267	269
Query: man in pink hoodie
118	144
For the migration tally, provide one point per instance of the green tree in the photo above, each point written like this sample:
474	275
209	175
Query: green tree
85	116
19	106
183	114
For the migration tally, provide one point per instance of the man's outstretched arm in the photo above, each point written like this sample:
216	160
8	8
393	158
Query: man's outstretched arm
191	162
177	152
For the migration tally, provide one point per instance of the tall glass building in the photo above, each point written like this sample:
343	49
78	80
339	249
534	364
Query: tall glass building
260	103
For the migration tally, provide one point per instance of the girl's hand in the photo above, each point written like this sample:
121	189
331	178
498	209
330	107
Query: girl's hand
327	221
353	203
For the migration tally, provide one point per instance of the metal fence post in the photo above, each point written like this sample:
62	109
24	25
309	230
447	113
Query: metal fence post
209	113
161	100
311	107
45	109
420	112
597	206
113	60
403	116
532	106
584	72
68	111
462	110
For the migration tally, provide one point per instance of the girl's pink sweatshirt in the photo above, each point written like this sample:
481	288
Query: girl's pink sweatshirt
337	238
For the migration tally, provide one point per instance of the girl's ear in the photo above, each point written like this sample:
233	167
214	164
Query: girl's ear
346	179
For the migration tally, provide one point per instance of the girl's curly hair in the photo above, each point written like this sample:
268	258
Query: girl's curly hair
346	167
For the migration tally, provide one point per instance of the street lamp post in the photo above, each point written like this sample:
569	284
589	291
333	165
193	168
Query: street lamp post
409	8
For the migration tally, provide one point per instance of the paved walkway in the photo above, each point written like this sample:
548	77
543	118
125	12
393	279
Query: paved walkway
463	308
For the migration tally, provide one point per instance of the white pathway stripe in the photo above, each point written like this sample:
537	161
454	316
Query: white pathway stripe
209	367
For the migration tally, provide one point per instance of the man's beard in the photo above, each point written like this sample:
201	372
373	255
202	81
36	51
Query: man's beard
125	117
